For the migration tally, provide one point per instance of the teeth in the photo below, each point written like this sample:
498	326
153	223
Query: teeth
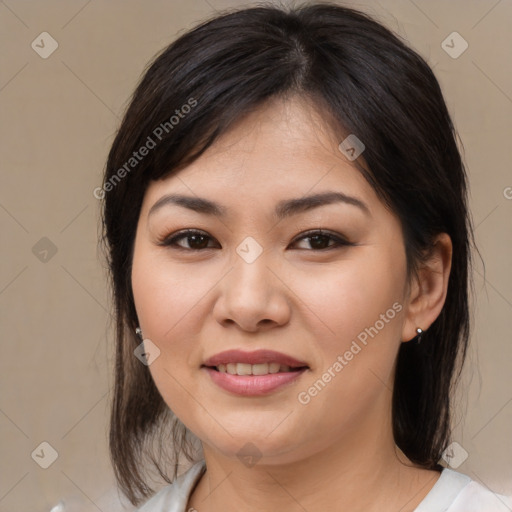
275	367
242	369
252	369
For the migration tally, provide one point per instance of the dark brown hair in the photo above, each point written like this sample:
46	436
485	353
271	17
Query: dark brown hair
375	87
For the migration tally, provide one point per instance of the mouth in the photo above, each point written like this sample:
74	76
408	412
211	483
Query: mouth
257	362
253	384
255	373
255	369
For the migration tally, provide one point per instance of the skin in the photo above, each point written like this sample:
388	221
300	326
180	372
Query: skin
295	298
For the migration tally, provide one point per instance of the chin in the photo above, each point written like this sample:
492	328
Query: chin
251	449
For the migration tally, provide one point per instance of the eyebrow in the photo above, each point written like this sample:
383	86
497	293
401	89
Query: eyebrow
285	208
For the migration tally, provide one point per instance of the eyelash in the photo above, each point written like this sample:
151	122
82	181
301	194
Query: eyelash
170	241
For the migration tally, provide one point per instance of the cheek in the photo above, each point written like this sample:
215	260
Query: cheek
352	297
171	301
356	327
165	294
355	322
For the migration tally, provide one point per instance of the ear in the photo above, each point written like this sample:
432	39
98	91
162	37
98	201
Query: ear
427	292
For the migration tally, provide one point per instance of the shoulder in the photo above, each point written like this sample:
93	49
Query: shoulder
174	497
478	498
457	492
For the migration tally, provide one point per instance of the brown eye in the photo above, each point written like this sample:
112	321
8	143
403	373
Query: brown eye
320	240
196	240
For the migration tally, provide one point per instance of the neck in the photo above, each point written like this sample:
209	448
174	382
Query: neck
362	471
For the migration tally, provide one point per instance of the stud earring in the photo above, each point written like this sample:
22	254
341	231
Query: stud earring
138	332
420	332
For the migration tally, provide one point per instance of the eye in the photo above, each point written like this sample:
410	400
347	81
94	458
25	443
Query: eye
318	240
197	240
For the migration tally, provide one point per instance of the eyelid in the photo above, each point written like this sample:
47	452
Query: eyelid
339	239
168	240
342	240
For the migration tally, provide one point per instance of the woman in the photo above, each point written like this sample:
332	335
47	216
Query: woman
286	218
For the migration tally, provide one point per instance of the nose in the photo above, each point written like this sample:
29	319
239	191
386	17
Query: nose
253	296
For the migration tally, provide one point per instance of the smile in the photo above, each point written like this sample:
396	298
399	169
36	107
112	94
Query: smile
253	384
254	369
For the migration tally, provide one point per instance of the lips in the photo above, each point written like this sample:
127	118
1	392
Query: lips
255	357
253	385
258	373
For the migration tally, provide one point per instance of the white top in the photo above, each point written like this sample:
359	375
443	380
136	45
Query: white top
453	492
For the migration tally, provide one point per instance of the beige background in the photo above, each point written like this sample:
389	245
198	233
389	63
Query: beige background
58	118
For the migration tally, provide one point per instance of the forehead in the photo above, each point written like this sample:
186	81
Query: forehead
284	149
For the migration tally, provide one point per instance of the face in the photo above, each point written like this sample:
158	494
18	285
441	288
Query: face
259	276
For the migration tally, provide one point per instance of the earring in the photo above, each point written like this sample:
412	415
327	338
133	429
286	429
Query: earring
419	331
138	332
